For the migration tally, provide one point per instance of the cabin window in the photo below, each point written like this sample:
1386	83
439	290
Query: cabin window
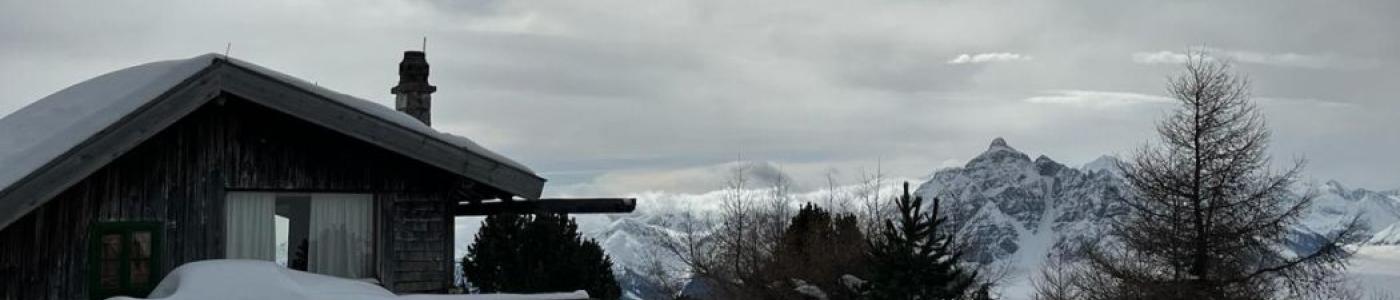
124	258
325	233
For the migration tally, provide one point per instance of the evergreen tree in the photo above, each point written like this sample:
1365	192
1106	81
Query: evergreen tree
534	254
912	259
819	248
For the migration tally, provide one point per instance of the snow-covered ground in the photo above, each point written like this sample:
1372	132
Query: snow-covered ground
1376	269
231	279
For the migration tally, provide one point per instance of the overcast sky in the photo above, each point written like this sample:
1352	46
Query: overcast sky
610	97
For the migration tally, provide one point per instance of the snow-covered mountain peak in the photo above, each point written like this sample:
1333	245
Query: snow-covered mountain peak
999	142
1105	163
1047	167
1335	186
999	154
1013	207
1013	211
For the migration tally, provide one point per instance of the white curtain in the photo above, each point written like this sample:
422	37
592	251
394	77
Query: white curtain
340	235
249	226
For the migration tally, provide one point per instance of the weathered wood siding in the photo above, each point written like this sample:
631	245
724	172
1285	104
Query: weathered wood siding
180	175
173	179
418	254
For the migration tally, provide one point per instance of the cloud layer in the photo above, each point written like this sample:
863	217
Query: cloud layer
1286	59
616	96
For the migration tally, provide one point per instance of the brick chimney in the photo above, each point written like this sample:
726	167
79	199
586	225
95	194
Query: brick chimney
413	95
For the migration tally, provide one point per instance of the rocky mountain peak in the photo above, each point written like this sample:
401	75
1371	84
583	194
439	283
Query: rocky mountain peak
1046	166
1105	163
999	153
998	142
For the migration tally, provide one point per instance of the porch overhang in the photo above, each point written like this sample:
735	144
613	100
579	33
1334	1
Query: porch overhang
544	206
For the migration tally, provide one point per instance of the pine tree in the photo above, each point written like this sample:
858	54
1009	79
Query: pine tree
494	256
912	259
819	248
540	253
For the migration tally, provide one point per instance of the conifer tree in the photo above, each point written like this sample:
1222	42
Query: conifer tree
912	259
535	254
819	248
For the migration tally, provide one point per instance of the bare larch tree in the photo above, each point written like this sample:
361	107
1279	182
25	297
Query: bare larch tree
1209	217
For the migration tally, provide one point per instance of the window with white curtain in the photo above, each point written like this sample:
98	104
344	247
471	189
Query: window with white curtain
325	233
248	226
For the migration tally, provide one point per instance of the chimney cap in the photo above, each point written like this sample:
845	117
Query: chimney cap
413	74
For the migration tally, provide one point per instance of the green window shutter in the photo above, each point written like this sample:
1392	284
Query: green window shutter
124	259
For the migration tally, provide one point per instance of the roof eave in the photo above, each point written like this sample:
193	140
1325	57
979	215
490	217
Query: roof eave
310	106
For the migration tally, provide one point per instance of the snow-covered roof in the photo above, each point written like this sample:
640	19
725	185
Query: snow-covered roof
48	129
377	110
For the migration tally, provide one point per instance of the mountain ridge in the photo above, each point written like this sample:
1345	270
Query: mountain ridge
1012	209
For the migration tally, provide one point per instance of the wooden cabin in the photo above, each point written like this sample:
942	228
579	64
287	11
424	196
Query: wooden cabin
109	184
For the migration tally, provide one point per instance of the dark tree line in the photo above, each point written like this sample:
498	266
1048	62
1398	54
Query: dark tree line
820	248
1208	217
820	254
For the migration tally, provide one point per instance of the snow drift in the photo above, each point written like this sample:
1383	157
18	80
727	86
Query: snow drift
255	279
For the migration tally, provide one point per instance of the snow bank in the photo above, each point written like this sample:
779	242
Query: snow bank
234	279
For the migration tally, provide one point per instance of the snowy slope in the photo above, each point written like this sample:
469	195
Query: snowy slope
1388	236
1336	203
1376	270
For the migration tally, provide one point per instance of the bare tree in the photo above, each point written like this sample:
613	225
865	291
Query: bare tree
693	246
1057	280
875	208
1208	217
659	275
731	250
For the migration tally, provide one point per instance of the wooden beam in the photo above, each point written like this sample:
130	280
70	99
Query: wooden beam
571	206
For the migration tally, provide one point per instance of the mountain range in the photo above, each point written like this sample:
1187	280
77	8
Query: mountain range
1011	209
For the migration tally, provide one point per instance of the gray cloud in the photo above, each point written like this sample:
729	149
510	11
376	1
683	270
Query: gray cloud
618	96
